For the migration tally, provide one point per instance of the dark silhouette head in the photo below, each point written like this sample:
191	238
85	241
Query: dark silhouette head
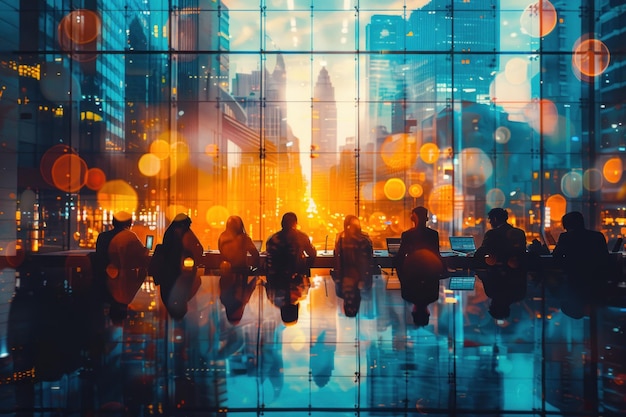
352	225
419	215
289	221
573	220
348	221
122	220
181	220
289	313
497	216
234	225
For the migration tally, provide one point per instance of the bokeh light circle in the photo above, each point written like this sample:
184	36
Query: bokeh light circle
95	179
495	198
591	57
378	221
149	164
513	98
538	19
429	152
69	173
81	26
394	189
49	158
160	148
416	190
592	179
440	202
216	216
476	167
572	184
612	170
557	205
516	71
399	151
543	116
502	135
117	195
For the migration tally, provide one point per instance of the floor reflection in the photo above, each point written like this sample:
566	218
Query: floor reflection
65	357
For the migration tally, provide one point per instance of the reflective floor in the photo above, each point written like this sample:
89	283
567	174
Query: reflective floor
62	359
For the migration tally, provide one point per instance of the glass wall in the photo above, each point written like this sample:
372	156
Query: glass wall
324	108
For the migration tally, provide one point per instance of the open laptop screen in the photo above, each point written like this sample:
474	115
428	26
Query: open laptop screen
393	245
464	244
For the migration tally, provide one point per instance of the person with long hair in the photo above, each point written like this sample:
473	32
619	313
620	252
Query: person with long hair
240	259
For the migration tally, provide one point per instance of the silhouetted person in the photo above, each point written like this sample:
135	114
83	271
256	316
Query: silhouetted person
501	260
174	266
419	266
120	263
353	264
240	258
290	255
584	257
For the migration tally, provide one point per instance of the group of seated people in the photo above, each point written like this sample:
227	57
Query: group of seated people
122	262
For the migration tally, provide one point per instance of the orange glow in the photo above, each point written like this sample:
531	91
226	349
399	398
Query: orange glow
149	164
172	210
212	150
160	148
429	152
591	57
14	253
117	195
592	179
538	19
440	202
216	216
378	221
395	189
188	262
95	179
49	158
81	26
542	116
416	190
557	205
112	271
399	151
69	173
612	170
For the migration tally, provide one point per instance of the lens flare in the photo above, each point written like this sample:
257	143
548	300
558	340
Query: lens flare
612	170
557	205
394	189
538	19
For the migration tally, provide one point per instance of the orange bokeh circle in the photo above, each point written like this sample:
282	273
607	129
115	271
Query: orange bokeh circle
69	173
95	179
613	170
591	57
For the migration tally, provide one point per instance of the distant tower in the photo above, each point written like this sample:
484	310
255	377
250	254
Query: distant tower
323	139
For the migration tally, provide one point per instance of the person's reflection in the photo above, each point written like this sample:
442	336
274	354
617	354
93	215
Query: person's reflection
290	255
174	266
419	266
583	256
323	359
234	245
501	263
353	264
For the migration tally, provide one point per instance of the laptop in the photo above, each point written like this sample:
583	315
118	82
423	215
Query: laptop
393	245
464	283
463	245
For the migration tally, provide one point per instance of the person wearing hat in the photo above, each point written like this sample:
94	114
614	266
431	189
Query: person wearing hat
290	255
174	266
501	261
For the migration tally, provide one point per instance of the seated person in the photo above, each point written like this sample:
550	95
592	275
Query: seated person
501	262
584	257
